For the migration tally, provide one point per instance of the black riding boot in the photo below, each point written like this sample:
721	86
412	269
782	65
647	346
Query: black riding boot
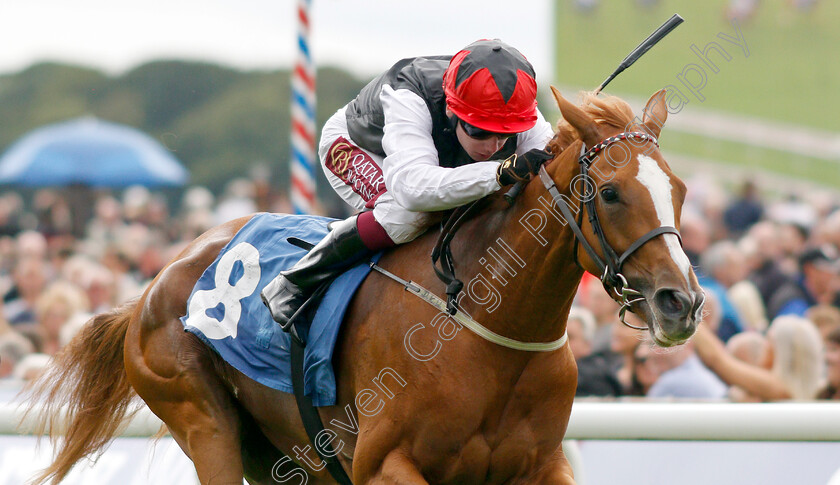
339	249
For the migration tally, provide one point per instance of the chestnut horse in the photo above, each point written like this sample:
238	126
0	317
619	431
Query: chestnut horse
419	399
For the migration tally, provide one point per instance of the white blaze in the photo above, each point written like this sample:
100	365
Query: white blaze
659	185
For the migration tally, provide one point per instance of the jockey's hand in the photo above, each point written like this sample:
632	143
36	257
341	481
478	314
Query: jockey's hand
518	168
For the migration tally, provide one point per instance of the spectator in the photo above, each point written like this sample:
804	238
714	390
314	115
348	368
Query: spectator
797	355
792	210
776	288
13	348
791	366
747	302
31	244
135	203
696	236
4	325
100	287
580	327
604	309
741	10
712	314
123	270
7	260
832	364
825	317
158	220
819	268
196	213
744	211
31	366
55	307
11	206
107	224
722	266
151	261
680	374
27	245
53	213
827	231
595	377
748	347
723	262
260	175
72	327
644	371
238	201
623	345
793	242
30	278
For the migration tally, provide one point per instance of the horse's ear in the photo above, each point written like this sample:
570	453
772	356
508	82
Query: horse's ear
576	117
656	112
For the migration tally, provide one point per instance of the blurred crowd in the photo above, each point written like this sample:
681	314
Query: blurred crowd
768	264
56	270
770	270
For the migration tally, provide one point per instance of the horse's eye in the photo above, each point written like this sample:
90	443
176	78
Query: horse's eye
609	194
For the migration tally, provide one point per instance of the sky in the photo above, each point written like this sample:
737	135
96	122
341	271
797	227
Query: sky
363	36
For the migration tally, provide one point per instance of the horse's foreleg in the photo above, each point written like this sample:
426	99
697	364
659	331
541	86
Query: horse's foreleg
395	469
558	473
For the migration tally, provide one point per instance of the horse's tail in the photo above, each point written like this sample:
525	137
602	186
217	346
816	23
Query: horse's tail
85	394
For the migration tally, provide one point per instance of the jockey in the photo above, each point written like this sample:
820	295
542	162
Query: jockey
430	134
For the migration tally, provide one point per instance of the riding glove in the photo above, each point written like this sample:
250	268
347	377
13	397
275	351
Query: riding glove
517	168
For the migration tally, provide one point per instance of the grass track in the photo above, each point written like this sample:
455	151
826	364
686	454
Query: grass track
790	74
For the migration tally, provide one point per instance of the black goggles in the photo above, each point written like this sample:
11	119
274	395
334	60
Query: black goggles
479	134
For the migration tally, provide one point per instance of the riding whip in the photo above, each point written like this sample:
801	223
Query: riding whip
640	50
628	61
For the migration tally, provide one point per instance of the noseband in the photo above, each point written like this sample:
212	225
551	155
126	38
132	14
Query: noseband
610	266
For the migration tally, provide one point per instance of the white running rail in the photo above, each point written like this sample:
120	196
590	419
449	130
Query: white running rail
683	421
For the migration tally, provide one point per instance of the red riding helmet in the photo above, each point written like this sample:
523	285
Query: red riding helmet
491	86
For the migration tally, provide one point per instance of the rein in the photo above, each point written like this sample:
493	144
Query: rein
443	254
609	267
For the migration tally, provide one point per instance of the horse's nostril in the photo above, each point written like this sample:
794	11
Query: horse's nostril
697	309
672	303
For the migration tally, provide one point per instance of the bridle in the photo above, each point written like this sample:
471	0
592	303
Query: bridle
610	266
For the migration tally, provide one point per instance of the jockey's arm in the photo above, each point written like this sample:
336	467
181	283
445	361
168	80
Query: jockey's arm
411	168
536	137
412	171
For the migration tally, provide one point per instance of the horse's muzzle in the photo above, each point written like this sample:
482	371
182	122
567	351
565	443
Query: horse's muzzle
677	313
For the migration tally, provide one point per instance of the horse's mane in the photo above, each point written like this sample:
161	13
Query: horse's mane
605	110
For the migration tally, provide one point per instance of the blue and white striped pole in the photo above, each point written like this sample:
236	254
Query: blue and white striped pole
304	157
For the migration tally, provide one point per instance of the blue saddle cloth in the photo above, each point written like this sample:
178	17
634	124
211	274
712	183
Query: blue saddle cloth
226	312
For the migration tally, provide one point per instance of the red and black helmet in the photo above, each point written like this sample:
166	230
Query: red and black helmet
490	85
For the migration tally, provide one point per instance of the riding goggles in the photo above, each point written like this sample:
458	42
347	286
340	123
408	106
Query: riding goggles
480	134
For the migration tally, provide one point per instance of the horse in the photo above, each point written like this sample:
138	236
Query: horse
419	399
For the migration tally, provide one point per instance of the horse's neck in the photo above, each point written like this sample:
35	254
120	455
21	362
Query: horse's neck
520	282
